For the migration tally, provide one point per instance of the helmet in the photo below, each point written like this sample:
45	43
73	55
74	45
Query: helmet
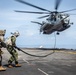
16	33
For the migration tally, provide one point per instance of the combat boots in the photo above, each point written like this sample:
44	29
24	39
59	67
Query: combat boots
2	69
10	66
18	65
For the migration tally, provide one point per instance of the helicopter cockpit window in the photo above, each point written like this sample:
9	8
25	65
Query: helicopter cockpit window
53	17
61	17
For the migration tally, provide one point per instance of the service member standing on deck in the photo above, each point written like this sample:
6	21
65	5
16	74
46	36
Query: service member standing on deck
2	33
11	43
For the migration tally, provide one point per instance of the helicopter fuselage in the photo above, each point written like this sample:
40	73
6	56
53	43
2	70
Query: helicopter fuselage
56	19
49	28
58	26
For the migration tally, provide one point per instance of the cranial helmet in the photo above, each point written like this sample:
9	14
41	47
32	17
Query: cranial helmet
16	33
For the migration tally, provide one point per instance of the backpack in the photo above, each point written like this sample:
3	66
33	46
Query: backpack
8	41
2	33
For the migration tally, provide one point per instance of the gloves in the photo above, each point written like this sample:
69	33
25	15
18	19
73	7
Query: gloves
17	48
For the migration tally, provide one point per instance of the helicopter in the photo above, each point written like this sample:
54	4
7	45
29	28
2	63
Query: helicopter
56	21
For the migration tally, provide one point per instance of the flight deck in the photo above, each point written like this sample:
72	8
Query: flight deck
57	62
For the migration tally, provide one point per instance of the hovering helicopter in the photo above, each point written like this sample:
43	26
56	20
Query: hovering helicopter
56	21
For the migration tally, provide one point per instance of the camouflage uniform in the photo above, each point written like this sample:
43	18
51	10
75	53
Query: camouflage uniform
13	52
1	45
1	52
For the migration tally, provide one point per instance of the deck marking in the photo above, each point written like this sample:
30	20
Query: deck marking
26	61
42	71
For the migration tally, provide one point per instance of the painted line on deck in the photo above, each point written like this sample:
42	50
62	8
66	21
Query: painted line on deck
26	61
43	71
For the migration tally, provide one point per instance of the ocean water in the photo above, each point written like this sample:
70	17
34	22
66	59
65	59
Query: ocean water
48	46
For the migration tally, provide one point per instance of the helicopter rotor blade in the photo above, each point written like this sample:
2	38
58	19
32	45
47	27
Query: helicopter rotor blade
57	3
37	22
68	10
24	2
43	16
70	13
31	12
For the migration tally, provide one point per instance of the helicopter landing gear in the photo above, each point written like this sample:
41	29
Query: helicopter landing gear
57	33
72	23
44	33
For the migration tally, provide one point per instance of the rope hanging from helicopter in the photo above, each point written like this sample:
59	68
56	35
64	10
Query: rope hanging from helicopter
55	40
37	55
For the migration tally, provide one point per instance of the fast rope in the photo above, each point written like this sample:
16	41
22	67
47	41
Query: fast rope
37	55
55	40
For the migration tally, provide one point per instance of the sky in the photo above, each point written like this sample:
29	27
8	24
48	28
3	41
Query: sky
29	32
